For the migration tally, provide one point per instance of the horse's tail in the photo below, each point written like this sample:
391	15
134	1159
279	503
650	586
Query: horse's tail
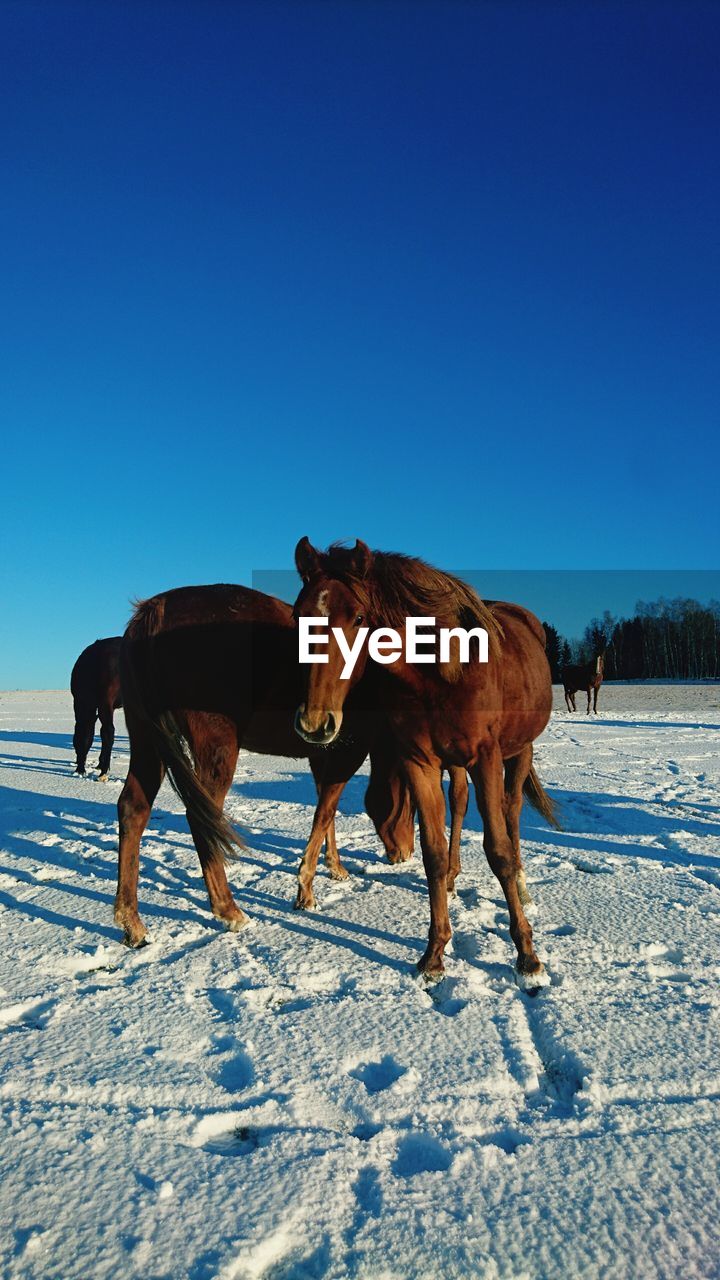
136	679
540	800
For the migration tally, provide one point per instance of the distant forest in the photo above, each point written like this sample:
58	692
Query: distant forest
666	640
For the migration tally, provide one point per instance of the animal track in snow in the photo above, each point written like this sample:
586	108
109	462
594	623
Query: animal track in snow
235	1070
662	963
31	1015
378	1076
239	1140
444	999
420	1153
592	868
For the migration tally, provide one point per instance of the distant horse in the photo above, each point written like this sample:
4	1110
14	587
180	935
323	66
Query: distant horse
482	717
205	671
587	676
95	687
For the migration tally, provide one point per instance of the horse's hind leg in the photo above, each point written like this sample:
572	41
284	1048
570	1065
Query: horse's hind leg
332	857
85	717
596	690
589	694
504	860
516	772
215	760
134	804
107	738
459	792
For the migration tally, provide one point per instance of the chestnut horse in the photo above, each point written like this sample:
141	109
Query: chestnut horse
483	717
587	676
95	687
205	671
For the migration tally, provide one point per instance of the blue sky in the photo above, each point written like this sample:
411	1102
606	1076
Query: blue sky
442	276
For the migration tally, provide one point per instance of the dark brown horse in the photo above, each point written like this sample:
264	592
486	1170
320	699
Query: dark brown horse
95	687
587	676
205	671
483	717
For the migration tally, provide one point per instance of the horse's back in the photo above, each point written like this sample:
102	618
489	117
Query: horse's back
95	676
217	603
222	650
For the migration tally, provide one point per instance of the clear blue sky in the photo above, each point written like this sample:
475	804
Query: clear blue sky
444	276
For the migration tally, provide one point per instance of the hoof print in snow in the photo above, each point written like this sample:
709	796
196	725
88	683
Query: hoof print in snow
236	1072
377	1076
562	931
225	1134
592	868
443	999
240	1141
366	1131
420	1153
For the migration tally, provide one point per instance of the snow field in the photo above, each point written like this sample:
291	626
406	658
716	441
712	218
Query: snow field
294	1101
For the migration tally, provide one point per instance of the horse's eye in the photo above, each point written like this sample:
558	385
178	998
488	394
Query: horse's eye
359	620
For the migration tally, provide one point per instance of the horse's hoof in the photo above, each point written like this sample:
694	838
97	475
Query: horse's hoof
103	777
431	975
338	873
235	923
135	938
532	983
399	856
431	967
305	903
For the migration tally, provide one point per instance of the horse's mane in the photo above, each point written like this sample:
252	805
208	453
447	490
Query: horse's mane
397	587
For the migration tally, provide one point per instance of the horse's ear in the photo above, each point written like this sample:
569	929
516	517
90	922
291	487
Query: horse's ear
361	559
306	559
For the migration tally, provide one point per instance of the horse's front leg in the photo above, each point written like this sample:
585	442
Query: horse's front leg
504	860
332	858
595	698
388	800
426	786
333	771
329	795
589	694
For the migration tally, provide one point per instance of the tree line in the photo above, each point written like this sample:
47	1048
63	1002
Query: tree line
664	640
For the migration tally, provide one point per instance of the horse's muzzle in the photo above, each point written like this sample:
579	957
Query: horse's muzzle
321	737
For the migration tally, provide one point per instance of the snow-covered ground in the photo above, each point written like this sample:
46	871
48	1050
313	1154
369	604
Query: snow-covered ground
293	1101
